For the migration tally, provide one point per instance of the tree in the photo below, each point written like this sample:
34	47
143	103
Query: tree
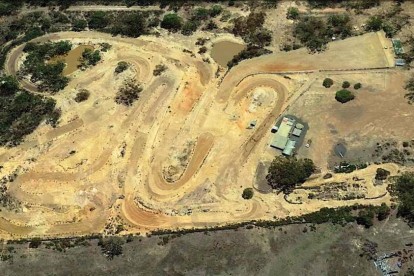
200	14
381	174
79	25
128	93
35	243
374	23
98	20
189	27
243	26
215	10
260	37
82	95
383	212
409	86
346	84
404	189
312	32
339	25
171	22
292	13
121	67
202	50
285	173
132	25
90	57
111	247
365	217
327	82
344	96
247	193
357	86
159	69
8	85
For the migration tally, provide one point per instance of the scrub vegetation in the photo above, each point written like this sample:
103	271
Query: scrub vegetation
21	111
47	75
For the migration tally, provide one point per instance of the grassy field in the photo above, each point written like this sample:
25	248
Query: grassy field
328	250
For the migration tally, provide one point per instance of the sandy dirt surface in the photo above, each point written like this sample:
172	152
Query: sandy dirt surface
107	161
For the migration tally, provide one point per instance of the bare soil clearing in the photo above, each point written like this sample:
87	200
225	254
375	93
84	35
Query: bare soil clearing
106	160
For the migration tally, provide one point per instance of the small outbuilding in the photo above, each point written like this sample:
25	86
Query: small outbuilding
297	132
279	142
399	62
299	126
290	146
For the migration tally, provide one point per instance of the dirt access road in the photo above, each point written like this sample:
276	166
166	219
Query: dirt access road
181	156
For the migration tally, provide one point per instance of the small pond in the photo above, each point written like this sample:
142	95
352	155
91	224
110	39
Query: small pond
72	59
222	52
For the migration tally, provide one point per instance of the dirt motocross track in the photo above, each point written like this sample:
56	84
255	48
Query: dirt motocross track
179	157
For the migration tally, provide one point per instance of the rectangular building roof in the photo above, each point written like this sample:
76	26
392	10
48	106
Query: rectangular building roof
285	127
399	62
279	141
297	132
290	146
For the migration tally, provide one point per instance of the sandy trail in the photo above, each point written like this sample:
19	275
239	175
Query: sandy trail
117	167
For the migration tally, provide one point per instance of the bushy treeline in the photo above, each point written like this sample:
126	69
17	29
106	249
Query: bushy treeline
21	111
47	74
403	188
314	32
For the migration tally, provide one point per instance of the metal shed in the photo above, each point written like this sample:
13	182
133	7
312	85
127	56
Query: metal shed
297	132
290	146
279	141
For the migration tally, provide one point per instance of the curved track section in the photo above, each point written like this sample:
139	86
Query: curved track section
106	161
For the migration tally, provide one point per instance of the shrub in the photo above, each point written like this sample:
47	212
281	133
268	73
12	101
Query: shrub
105	46
79	25
327	82
346	84
247	193
189	27
8	85
159	69
98	20
35	243
403	187
82	95
121	67
90	57
250	52
409	86
111	247
383	212
131	24
374	23
344	96
365	217
357	86
171	22
285	173
128	93
381	174
215	10
292	13
202	50
48	75
312	32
